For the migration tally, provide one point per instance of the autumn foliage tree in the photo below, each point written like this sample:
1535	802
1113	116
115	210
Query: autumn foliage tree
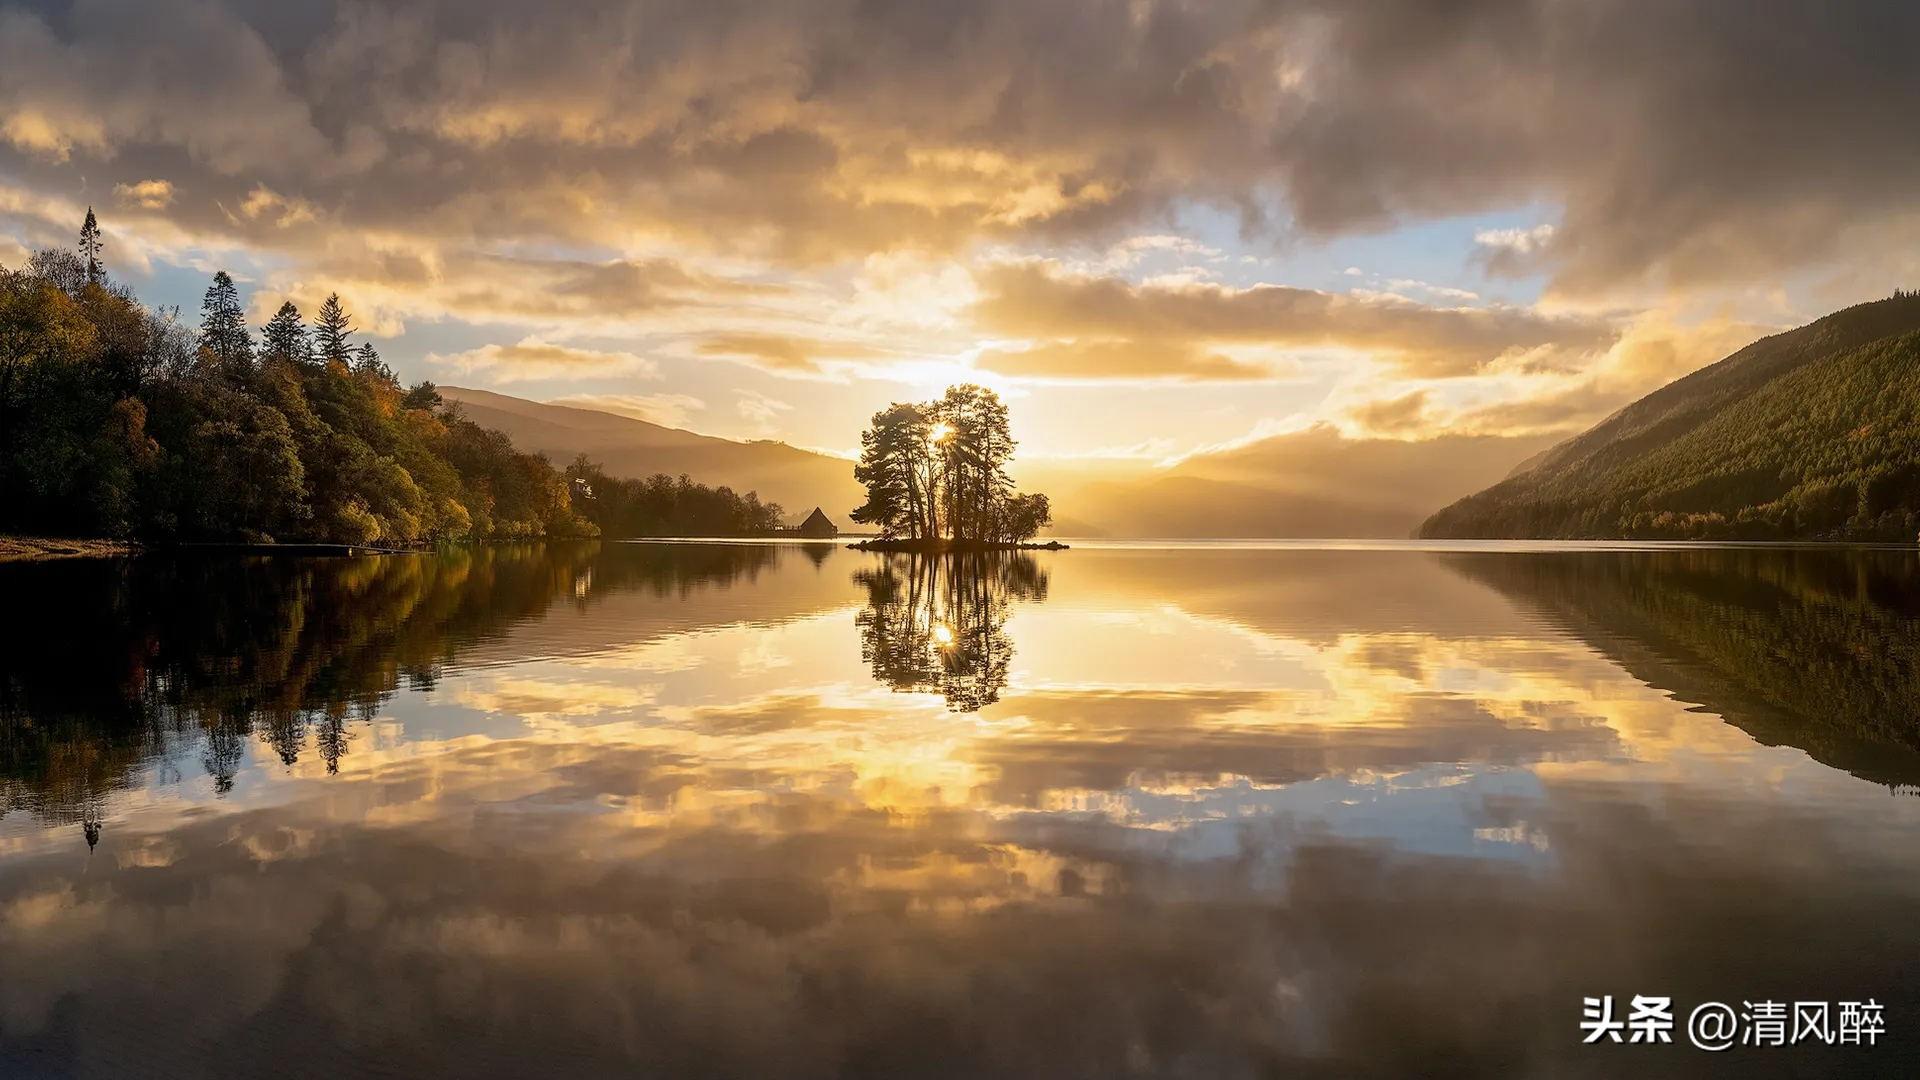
118	420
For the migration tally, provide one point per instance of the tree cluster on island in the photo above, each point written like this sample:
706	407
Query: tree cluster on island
936	476
117	420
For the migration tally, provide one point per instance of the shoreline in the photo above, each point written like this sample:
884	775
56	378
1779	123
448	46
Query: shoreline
46	548
952	547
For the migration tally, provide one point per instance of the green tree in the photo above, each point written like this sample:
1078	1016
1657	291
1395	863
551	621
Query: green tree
223	324
331	331
90	248
285	335
40	325
115	419
366	361
423	395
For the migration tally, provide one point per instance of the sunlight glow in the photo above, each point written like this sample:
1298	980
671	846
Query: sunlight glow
939	432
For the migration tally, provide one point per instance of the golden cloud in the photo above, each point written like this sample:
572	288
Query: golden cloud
1393	416
532	358
805	134
781	353
1122	360
389	280
145	194
1038	300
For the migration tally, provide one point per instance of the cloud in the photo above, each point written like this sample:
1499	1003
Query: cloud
1393	416
804	134
672	410
145	194
1121	361
532	358
781	353
760	409
391	280
806	187
263	203
1652	352
1513	252
1034	300
1518	241
109	81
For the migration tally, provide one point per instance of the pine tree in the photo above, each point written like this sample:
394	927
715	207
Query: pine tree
330	332
367	362
223	325
90	247
285	335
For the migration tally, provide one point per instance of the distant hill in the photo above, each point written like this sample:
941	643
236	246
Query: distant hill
1809	434
1311	483
797	479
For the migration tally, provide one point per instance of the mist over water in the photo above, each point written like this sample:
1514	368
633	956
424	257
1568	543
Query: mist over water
795	810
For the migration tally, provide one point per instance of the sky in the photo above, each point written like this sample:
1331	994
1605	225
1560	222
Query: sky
1156	228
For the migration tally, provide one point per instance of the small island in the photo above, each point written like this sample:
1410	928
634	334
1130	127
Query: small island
936	479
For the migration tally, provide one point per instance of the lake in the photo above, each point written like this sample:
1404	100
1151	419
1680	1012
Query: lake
794	810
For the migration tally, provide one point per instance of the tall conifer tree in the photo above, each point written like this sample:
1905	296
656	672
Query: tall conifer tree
330	333
286	336
223	325
366	360
90	248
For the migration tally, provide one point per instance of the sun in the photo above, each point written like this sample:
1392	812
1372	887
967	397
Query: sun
939	431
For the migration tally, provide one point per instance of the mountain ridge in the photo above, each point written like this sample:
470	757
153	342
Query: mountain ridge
629	447
1812	433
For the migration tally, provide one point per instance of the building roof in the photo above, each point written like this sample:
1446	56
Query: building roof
817	519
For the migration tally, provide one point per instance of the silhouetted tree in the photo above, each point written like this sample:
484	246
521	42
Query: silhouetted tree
664	505
91	247
899	467
938	471
937	623
223	324
285	335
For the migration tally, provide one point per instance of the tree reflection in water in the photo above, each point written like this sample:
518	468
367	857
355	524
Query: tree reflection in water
131	662
937	623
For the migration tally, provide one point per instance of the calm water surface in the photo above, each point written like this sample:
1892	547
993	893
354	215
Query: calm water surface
730	809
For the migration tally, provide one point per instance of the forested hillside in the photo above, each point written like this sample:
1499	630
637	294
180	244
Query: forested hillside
117	420
1809	434
635	449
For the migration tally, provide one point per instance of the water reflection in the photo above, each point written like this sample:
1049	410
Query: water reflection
1810	648
743	810
128	662
937	624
